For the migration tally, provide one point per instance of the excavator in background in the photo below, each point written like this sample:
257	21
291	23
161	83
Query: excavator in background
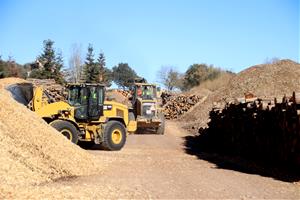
145	107
85	115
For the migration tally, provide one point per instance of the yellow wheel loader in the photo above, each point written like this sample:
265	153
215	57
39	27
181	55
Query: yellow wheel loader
145	108
85	116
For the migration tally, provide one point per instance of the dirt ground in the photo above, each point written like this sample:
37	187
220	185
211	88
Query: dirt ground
157	167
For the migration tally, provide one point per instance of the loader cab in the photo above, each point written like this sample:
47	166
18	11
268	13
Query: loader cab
87	99
144	99
145	92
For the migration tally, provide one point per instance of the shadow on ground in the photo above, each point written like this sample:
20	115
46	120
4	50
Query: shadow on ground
90	146
193	146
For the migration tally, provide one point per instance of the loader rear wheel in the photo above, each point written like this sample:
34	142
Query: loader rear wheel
114	136
67	129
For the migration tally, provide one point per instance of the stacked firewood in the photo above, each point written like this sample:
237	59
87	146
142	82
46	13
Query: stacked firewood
263	129
53	91
165	97
178	105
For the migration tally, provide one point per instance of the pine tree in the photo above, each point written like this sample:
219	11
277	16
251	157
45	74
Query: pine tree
59	63
101	65
47	58
90	71
105	74
49	63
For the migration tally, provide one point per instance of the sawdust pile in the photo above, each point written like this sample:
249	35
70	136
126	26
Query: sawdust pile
118	96
265	80
32	152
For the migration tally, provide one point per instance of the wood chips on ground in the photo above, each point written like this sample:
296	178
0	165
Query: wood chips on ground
32	152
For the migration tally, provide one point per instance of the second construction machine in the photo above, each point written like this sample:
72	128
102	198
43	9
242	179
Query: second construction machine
145	107
85	116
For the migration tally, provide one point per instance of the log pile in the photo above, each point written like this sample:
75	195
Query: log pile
266	129
177	105
165	97
53	91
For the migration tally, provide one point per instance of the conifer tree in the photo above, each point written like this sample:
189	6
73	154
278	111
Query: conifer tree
49	63
101	65
90	71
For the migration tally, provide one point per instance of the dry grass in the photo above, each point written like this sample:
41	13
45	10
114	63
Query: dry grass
213	85
209	86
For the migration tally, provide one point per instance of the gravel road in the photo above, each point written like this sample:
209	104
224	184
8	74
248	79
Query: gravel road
157	167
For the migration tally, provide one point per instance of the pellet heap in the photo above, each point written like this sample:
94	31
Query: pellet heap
32	152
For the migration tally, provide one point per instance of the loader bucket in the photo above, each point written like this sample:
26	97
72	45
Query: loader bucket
21	92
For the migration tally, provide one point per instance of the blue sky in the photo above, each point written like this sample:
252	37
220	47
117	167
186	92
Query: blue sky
148	34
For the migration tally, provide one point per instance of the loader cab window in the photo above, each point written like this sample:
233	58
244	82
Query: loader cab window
148	92
100	95
77	96
139	91
96	95
96	99
87	100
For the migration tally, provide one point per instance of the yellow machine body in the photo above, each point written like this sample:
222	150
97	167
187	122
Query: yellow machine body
91	129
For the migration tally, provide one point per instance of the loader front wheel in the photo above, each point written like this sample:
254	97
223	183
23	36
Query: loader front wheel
67	129
114	136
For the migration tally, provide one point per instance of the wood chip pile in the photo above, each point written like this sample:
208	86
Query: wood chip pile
263	129
178	105
55	92
32	152
118	96
125	93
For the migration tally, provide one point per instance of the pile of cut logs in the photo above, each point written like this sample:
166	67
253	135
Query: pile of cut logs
165	97
178	105
262	129
52	90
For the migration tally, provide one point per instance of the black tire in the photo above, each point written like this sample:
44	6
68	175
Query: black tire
67	129
161	128
114	136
